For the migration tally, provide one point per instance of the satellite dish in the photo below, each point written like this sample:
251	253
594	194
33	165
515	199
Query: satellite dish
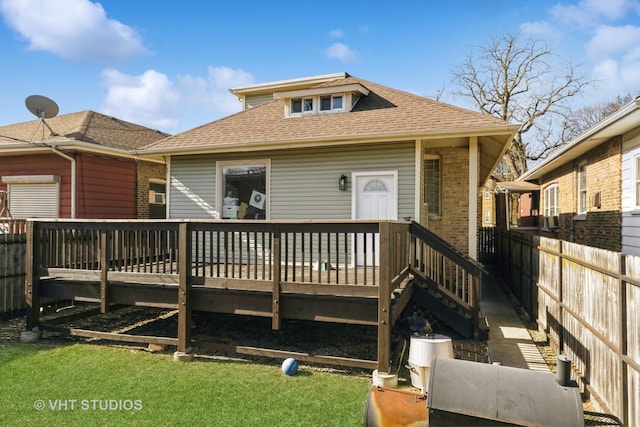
41	106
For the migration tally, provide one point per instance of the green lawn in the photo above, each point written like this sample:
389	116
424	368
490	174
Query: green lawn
83	384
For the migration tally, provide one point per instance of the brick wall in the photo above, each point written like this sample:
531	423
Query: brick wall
145	172
453	223
601	226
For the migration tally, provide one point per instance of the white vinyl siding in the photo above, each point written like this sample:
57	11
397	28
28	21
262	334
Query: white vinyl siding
255	100
630	196
192	187
303	183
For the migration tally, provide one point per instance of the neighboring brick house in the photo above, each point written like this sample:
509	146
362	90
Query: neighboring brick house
581	191
80	165
337	147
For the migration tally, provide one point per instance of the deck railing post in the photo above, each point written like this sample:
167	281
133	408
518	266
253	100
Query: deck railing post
384	299
32	287
477	286
184	287
277	263
104	268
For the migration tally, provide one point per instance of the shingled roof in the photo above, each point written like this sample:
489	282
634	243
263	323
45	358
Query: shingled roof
85	127
385	113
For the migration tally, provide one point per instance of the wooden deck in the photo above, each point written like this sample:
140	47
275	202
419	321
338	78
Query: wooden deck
352	272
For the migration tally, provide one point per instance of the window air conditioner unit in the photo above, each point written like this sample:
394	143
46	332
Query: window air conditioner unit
596	199
552	222
157	198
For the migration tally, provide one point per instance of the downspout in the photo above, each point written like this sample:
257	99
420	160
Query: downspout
73	179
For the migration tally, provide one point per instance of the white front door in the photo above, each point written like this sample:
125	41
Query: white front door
375	196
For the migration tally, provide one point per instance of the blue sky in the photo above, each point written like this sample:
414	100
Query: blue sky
169	64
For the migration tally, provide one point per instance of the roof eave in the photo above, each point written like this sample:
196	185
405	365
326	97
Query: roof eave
507	131
619	123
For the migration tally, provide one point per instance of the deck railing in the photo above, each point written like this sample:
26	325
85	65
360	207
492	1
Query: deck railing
365	260
454	274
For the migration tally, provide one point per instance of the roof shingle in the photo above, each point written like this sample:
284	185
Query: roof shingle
85	126
385	111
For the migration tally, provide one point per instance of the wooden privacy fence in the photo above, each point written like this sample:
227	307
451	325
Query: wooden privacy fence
588	301
12	273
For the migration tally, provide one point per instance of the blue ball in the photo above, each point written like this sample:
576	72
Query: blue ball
290	366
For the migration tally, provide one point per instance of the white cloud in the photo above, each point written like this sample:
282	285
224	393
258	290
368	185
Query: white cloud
336	34
590	12
152	99
340	52
609	40
539	28
148	99
212	91
72	29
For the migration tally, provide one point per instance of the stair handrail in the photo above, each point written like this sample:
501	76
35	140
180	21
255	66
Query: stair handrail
445	248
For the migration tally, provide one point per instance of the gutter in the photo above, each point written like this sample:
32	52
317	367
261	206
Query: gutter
630	108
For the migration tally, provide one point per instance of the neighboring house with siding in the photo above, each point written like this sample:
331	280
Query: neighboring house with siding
80	165
589	190
337	147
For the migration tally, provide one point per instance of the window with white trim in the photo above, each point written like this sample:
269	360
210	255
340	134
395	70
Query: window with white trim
487	216
242	186
333	102
317	104
551	206
582	188
432	183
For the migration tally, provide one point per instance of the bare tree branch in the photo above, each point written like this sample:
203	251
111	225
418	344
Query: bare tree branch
519	81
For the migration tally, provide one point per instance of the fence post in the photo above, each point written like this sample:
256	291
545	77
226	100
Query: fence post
32	285
277	265
560	320
622	347
184	287
384	299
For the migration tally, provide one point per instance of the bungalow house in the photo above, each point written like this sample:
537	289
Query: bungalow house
337	147
80	165
589	190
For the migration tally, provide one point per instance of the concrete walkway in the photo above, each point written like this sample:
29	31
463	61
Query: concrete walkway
509	340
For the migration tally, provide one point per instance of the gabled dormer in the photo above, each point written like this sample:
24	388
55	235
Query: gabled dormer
329	93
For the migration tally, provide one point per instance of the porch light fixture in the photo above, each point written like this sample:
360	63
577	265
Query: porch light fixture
342	183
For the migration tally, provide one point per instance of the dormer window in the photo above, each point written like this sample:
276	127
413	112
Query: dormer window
301	105
328	103
321	99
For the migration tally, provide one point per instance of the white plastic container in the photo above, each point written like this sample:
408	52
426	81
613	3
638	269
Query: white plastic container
422	350
384	379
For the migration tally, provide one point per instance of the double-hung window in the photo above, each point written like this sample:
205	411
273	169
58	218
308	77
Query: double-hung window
432	183
582	189
551	206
